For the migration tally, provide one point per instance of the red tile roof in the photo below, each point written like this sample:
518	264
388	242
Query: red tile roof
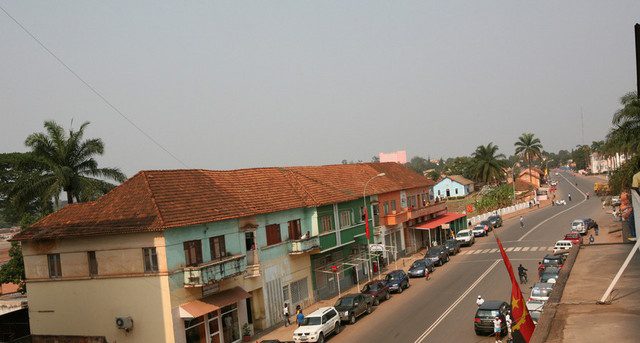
158	200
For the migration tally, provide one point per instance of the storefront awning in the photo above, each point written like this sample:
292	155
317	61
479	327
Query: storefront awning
213	302
443	219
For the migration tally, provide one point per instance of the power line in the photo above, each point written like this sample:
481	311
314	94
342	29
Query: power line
95	91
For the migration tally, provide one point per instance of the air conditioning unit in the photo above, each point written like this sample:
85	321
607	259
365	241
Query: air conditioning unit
124	323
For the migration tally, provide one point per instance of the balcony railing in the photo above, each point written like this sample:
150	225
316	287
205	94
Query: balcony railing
429	209
393	219
301	246
214	271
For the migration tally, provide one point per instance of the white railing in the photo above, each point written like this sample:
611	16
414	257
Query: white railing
501	211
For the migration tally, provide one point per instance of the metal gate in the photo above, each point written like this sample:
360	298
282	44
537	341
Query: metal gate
275	301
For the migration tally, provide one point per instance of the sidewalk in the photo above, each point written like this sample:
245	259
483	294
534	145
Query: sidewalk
285	334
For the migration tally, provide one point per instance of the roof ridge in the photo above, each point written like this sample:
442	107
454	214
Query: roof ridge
153	198
300	187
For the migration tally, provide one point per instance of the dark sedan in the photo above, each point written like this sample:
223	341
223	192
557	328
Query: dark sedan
495	220
438	255
351	306
550	275
488	224
453	246
397	281
418	268
378	290
486	313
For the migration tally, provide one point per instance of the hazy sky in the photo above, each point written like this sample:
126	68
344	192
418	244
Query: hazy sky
235	84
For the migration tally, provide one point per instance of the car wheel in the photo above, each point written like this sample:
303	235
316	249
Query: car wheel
320	338
387	296
447	260
369	309
352	319
400	289
337	329
376	302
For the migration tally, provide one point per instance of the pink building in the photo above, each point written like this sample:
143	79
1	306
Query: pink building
399	156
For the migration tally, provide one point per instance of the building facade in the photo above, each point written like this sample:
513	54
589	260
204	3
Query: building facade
453	186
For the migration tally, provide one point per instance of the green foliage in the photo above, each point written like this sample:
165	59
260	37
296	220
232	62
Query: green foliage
625	134
620	179
580	156
463	165
528	147
13	270
420	164
434	175
496	198
488	166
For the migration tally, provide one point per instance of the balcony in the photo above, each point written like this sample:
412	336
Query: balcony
429	209
301	246
253	264
394	218
214	271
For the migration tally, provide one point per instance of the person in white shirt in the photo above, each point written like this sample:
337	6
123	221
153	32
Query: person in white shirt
497	327
507	319
479	301
285	312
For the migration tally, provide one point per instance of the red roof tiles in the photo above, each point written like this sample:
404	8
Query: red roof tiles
158	200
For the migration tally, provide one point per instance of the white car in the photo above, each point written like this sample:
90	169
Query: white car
578	226
480	230
317	325
535	309
562	245
465	237
541	291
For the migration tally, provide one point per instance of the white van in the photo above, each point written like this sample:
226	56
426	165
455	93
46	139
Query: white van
562	245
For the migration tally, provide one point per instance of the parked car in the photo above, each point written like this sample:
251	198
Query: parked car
578	226
378	290
480	230
352	306
452	245
550	275
487	224
465	237
397	280
541	291
535	309
317	325
419	266
562	245
574	238
486	313
589	223
495	220
438	255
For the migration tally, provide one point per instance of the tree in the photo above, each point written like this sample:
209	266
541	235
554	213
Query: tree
625	135
580	156
462	165
488	166
13	270
375	159
528	146
434	175
69	165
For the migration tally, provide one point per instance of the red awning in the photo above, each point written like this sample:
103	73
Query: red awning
443	219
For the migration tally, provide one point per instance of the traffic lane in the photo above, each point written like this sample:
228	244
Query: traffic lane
401	318
458	325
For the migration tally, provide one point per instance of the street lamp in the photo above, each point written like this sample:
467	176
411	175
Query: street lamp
364	203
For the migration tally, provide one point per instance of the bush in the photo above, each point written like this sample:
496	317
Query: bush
495	198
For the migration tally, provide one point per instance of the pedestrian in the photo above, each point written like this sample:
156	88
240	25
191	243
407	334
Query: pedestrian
604	203
286	314
426	274
507	319
479	301
529	203
569	195
587	195
591	239
299	317
521	222
497	327
596	228
540	269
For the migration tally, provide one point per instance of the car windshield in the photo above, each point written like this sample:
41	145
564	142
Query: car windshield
311	321
479	227
463	234
392	277
494	218
540	292
435	251
551	262
370	288
344	302
577	222
488	313
485	222
418	264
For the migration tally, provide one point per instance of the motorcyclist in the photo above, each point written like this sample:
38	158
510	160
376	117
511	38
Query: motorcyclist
522	271
521	222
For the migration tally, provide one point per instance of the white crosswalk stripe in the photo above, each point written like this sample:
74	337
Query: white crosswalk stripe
477	251
510	249
517	249
493	250
525	249
534	248
550	248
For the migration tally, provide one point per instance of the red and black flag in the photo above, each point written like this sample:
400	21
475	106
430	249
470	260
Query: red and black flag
366	224
523	325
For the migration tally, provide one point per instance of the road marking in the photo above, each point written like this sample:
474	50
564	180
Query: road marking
559	213
448	310
477	251
550	248
517	249
493	250
534	248
485	251
525	249
510	249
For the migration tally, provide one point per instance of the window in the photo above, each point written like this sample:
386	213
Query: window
273	234
345	218
230	323
285	293
361	214
295	231
438	192
93	263
326	224
150	260
217	246
195	330
55	269
456	191
385	208
299	291
193	252
393	205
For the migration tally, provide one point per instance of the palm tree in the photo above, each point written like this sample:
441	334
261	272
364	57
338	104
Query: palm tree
68	165
625	135
488	167
528	147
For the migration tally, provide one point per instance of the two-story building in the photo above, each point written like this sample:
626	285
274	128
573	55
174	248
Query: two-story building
194	255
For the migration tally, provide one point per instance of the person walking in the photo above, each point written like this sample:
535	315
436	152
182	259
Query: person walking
497	327
591	239
569	196
286	314
596	228
299	317
479	301
507	319
521	222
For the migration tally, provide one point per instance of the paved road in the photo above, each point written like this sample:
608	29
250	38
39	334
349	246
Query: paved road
442	309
